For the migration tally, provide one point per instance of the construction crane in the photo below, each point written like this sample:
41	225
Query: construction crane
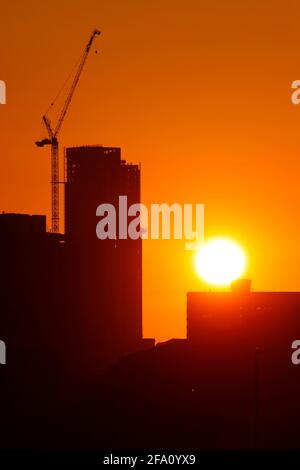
53	132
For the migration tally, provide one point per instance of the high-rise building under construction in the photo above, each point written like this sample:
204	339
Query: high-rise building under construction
107	273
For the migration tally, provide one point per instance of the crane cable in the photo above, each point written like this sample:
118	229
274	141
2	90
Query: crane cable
76	65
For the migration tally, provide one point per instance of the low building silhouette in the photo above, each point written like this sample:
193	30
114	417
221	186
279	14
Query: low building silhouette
36	326
230	385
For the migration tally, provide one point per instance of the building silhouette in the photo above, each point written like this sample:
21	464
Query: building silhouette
247	339
107	273
37	327
34	295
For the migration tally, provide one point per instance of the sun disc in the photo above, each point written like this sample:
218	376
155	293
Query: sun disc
220	262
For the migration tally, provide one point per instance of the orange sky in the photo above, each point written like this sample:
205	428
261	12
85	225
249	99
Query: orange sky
198	92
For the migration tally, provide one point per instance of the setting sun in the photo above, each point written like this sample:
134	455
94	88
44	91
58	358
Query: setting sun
220	261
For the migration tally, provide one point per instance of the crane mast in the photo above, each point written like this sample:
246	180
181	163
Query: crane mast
53	140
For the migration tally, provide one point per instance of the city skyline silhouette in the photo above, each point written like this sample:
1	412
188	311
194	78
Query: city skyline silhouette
167	87
114	344
72	323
